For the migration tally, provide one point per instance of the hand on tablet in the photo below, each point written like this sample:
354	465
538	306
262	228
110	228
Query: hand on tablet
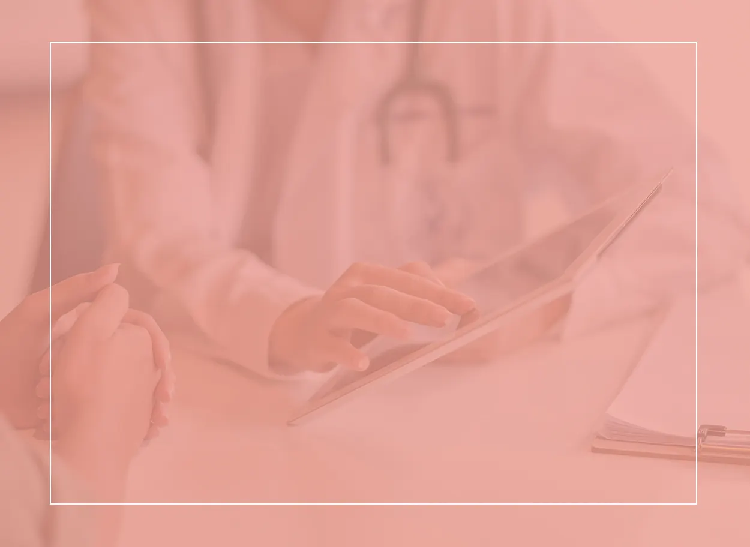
368	300
507	339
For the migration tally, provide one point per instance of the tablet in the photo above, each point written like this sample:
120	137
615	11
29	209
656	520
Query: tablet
518	281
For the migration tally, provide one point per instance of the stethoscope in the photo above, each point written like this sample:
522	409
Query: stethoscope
413	82
442	214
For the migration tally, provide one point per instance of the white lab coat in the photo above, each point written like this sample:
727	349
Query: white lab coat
152	106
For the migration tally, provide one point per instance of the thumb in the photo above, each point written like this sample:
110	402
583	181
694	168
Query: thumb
101	319
64	297
61	327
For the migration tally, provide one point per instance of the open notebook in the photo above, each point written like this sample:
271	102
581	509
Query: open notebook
655	413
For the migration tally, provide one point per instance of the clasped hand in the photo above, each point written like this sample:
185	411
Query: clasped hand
110	364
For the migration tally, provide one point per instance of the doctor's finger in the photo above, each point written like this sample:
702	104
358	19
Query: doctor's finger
402	305
331	349
352	313
411	284
422	269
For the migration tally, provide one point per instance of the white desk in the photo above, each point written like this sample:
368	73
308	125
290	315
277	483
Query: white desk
513	431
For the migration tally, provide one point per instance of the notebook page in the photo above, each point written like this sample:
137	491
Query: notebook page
660	394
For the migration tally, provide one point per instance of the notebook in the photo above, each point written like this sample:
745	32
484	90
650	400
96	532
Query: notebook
655	413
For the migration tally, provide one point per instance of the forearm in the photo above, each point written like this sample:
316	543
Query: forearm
172	224
232	302
103	472
102	478
26	517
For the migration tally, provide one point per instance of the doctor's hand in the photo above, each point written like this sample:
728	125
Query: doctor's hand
511	337
367	301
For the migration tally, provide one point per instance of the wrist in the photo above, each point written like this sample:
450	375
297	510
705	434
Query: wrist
102	472
285	332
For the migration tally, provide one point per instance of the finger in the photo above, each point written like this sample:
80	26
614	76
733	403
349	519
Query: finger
56	301
159	341
43	411
338	351
159	419
468	318
403	306
323	367
162	393
162	353
67	320
103	317
45	364
165	388
409	283
42	388
160	415
152	433
47	361
351	313
171	382
422	269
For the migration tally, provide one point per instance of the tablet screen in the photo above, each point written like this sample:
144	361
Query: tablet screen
495	285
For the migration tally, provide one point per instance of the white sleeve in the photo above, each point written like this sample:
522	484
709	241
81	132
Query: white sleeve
149	127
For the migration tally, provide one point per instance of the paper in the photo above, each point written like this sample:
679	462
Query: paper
658	403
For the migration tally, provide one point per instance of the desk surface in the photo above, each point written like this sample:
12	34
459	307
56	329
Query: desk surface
513	431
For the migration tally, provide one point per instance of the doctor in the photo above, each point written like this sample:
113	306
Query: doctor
244	180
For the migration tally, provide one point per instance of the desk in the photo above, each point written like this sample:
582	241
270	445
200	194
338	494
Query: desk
513	431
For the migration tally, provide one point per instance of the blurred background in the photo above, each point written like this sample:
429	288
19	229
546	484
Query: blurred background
27	27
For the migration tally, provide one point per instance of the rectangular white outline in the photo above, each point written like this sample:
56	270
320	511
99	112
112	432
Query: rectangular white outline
136	504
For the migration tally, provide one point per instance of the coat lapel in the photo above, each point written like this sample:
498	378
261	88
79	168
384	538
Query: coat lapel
231	71
331	205
318	214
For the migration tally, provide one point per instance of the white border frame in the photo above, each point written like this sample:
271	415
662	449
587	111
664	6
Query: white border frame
137	504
